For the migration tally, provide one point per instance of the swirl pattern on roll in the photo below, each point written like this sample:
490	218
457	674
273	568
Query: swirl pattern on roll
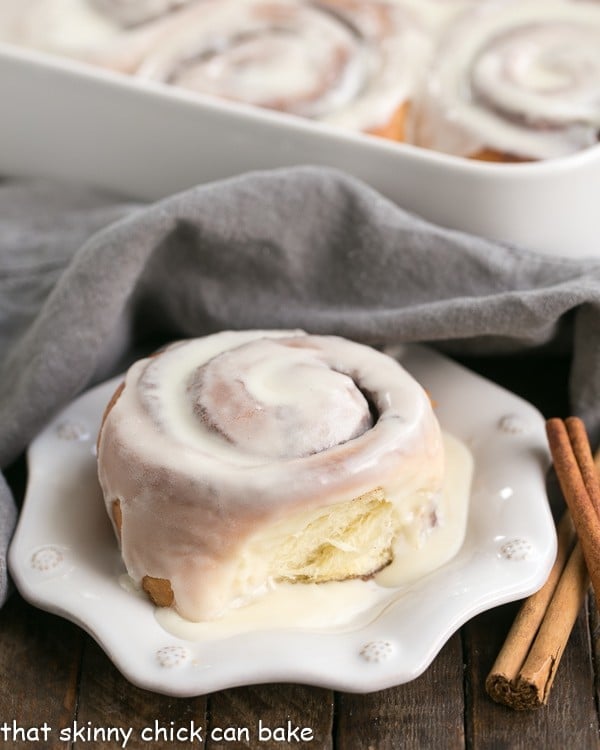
346	62
505	80
520	78
279	380
217	438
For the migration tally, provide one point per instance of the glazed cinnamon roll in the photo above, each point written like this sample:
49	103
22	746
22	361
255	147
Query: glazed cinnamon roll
242	459
110	33
514	79
348	62
501	80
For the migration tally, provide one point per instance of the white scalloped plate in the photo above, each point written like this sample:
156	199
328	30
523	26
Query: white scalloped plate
64	557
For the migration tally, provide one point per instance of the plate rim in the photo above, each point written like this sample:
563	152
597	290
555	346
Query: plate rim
347	666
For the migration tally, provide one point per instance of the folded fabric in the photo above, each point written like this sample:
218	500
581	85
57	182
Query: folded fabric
88	283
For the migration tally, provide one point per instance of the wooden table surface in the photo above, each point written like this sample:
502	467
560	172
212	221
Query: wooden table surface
54	675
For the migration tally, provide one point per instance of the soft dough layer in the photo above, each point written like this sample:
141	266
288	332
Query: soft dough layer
241	459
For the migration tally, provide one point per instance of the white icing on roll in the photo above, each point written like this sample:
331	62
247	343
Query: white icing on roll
270	400
519	77
133	12
204	477
344	61
280	55
84	30
69	27
436	14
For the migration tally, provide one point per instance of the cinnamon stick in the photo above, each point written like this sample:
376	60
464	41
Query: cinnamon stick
501	683
539	670
579	487
524	671
581	448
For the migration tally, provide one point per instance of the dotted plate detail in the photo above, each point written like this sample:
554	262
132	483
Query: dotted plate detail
377	651
72	431
47	559
517	550
512	424
172	656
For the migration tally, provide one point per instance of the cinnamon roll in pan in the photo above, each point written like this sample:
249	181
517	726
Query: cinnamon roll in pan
243	459
346	62
107	33
514	80
494	80
353	63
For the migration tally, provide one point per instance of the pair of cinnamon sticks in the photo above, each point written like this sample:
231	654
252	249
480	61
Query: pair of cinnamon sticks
524	671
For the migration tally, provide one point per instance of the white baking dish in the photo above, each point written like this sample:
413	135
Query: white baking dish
146	140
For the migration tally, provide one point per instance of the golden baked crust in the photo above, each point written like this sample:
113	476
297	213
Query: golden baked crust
395	128
117	515
159	590
488	154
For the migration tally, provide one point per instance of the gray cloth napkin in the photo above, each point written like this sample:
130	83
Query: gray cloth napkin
88	283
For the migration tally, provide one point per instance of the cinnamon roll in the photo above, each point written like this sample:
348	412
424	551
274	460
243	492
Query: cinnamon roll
500	80
109	33
514	79
346	62
235	461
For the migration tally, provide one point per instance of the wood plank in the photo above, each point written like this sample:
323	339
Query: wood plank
274	707
425	713
568	720
39	662
595	642
107	699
